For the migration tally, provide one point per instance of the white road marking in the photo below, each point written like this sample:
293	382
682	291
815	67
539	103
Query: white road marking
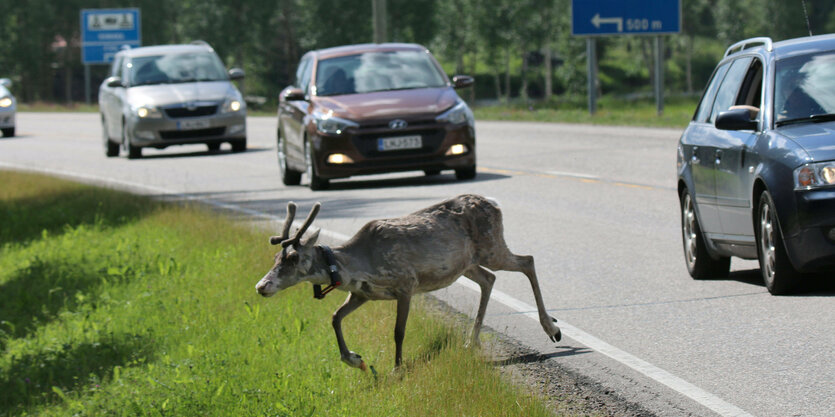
721	407
573	175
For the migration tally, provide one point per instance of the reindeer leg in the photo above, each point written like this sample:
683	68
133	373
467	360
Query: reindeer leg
351	303
485	280
403	303
524	264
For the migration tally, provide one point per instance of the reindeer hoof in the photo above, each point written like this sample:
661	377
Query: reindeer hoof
353	360
557	336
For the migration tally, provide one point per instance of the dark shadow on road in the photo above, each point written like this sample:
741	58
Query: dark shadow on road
193	154
419	180
810	285
541	357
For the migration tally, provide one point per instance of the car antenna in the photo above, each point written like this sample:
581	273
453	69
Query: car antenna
806	14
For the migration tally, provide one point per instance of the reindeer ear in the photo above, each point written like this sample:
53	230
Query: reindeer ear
275	240
311	238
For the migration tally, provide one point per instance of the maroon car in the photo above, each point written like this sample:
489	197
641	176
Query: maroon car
373	108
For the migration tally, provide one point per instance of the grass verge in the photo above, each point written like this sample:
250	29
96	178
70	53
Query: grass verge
114	304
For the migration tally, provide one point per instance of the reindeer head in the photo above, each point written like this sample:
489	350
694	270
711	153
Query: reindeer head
294	263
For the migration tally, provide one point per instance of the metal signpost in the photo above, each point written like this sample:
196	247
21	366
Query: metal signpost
592	18
103	33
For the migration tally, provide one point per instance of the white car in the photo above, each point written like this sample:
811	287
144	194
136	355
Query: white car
158	96
8	107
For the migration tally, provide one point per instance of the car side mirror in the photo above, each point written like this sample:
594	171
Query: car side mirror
114	82
737	118
236	74
462	81
5	82
293	94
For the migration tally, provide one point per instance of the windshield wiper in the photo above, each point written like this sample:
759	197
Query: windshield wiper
815	118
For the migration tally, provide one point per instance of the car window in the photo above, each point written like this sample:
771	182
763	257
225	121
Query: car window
176	68
377	71
727	93
710	92
306	73
751	92
804	86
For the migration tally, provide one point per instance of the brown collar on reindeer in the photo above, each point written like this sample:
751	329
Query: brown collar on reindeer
333	272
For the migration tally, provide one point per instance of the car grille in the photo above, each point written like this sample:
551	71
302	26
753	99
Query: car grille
179	112
189	134
367	143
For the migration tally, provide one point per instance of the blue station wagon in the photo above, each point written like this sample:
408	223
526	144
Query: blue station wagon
756	165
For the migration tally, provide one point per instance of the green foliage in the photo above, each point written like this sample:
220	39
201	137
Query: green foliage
149	309
488	38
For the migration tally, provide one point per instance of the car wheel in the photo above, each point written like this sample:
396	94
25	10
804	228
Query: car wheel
238	145
700	263
778	273
213	146
315	182
288	176
8	132
111	149
465	173
134	152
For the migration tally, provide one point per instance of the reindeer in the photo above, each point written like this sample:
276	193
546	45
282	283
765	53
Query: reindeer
394	259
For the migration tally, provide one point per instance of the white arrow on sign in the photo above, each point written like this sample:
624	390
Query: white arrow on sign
597	21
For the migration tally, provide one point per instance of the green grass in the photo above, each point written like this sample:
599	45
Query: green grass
114	304
610	111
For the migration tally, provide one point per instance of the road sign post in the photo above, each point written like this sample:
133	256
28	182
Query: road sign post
103	33
626	17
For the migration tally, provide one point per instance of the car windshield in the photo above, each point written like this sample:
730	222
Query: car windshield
377	71
176	68
805	88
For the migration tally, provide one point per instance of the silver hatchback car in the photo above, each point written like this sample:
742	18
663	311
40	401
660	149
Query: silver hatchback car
159	96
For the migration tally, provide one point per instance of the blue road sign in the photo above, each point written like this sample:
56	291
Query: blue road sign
625	17
105	31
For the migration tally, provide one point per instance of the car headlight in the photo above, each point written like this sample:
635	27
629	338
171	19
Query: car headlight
148	112
460	113
6	102
809	176
326	123
232	105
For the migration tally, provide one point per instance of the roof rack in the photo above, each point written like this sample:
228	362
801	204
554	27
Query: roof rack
201	43
741	45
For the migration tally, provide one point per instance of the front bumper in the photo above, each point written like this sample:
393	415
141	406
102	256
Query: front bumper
361	147
811	247
164	131
7	118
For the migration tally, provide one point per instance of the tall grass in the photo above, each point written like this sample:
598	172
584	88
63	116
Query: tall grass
112	304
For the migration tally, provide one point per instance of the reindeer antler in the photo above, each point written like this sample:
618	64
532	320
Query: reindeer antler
288	221
307	222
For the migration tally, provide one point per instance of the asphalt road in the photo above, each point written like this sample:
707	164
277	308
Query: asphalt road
595	206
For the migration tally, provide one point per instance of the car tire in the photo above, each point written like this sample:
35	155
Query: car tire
213	146
238	145
134	152
465	173
314	181
288	176
700	263
111	148
779	275
8	132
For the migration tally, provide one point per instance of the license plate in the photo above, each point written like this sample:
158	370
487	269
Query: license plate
400	142
192	124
